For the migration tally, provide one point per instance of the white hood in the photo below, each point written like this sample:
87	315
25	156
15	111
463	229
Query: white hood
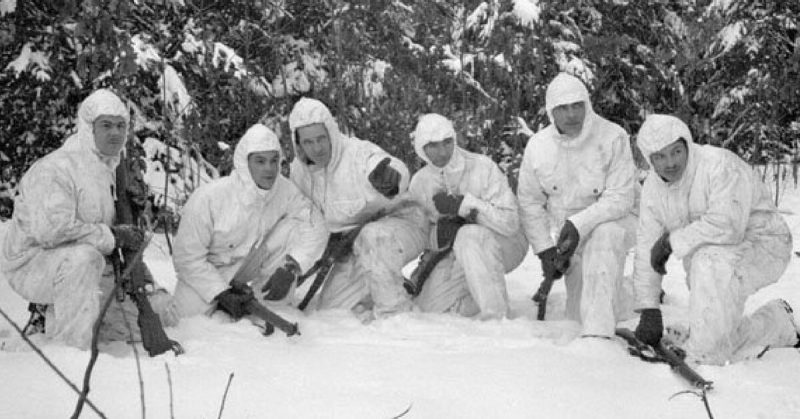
101	102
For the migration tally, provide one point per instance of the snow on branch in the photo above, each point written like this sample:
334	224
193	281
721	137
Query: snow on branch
231	58
7	6
729	36
38	63
527	12
174	92
146	53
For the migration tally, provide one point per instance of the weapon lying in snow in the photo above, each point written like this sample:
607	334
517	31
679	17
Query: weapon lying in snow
249	270
665	354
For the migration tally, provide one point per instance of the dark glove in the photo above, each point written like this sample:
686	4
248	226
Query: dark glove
446	230
340	245
281	280
659	254
568	240
550	267
127	237
651	327
385	179
447	204
234	301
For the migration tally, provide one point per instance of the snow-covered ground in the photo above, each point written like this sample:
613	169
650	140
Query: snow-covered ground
434	366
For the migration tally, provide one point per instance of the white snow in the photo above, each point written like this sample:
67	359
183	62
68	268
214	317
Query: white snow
7	6
527	12
438	366
298	76
730	35
36	61
146	53
223	53
174	93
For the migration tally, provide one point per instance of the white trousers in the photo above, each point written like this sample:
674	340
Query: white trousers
74	280
471	279
189	303
372	276
721	278
598	295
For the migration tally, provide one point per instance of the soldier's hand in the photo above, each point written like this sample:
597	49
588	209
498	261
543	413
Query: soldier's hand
279	284
651	326
568	240
550	265
127	237
447	204
234	301
659	254
385	179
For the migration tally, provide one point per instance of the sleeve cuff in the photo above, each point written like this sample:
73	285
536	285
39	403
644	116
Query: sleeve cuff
469	203
106	244
583	226
680	245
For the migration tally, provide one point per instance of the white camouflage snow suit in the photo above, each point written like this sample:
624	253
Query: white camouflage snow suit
471	279
589	180
224	218
732	241
55	247
371	278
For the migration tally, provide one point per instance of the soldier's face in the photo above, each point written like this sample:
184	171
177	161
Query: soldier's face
315	143
670	161
109	134
440	152
569	118
264	167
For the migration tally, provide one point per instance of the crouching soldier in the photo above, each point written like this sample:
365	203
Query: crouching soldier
473	216
55	248
706	206
576	182
362	191
225	219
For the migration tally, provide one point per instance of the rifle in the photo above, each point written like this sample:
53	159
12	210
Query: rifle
431	257
249	269
665	354
540	298
154	339
339	245
427	262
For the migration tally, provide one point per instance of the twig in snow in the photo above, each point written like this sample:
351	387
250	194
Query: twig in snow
169	382
699	393
50	364
87	375
118	278
138	361
224	396
403	413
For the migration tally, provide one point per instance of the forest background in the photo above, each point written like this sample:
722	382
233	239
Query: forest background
198	73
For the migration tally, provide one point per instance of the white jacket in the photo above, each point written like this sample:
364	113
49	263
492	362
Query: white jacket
224	218
341	189
66	196
712	204
588	179
484	186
